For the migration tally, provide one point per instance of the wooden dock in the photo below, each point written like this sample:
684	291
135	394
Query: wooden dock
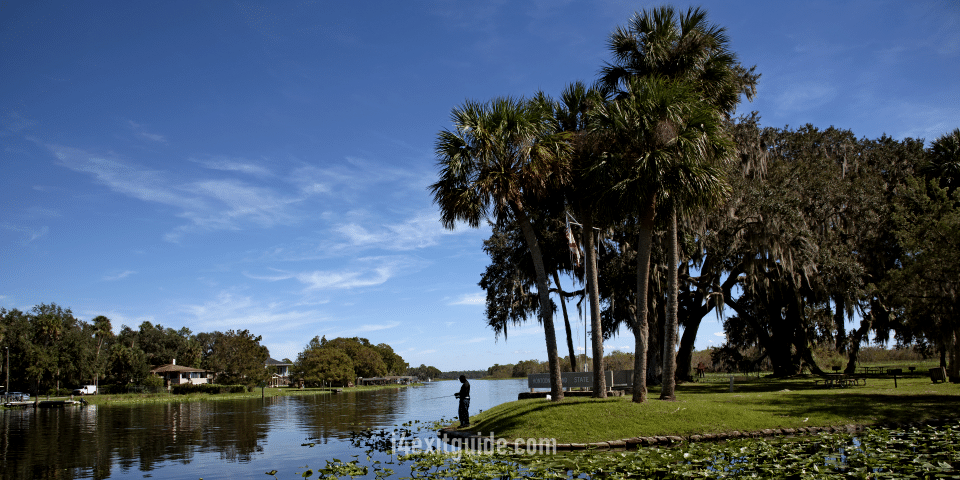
44	404
57	403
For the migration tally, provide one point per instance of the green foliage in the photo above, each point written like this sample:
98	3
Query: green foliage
341	360
237	357
153	381
322	364
392	361
50	349
527	367
500	371
926	286
424	372
211	388
127	364
944	163
367	360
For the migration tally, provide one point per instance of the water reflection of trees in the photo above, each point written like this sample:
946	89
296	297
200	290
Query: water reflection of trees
89	442
327	417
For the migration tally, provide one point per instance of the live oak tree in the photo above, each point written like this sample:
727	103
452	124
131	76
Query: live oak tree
367	360
925	288
237	358
320	364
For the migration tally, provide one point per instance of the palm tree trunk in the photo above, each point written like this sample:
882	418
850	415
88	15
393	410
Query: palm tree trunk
641	326
546	308
566	324
667	392
593	290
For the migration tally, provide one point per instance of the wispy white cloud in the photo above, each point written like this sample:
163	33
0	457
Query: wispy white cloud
128	179
326	280
144	135
378	326
235	165
232	311
804	95
363	272
118	276
422	230
207	204
29	234
479	298
12	122
280	275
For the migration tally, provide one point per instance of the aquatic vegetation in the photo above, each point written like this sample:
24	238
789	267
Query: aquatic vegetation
913	452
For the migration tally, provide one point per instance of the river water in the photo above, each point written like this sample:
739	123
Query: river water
223	438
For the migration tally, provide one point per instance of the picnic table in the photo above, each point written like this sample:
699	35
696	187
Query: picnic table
840	380
869	370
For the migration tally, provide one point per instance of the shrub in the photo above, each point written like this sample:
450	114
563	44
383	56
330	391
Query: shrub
153	381
211	388
110	389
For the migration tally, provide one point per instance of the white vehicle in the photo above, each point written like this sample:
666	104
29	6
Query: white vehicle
86	390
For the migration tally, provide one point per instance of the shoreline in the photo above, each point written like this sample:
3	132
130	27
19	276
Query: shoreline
166	397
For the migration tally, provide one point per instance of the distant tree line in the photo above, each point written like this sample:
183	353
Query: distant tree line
424	373
50	349
615	360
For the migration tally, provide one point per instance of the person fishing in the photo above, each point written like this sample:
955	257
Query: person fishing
464	396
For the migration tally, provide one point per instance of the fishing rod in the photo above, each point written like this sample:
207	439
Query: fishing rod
437	398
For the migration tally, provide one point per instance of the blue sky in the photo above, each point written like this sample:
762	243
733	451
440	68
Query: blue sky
264	166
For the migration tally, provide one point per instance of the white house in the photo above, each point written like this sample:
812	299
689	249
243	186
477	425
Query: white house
174	374
280	372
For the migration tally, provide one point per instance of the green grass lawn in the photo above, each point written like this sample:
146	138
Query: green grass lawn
709	407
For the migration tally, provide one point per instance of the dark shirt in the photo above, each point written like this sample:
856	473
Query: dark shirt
465	390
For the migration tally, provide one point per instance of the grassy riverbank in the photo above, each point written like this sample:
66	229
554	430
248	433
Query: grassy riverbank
135	398
709	407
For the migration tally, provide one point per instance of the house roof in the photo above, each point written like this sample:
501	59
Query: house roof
271	361
175	368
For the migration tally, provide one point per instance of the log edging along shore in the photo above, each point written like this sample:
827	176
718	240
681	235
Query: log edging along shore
469	439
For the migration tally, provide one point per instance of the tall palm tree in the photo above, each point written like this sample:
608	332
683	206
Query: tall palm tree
686	49
585	192
499	159
102	331
655	130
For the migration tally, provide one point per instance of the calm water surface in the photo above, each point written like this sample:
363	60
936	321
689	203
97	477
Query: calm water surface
223	438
